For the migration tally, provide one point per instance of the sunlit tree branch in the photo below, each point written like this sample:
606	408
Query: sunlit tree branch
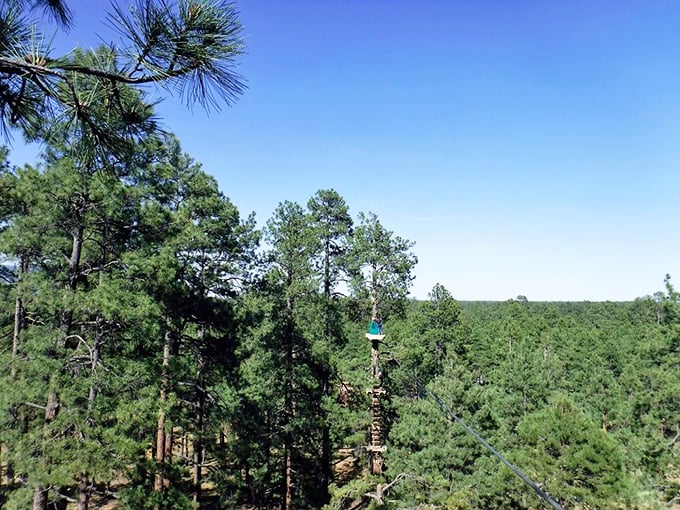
187	47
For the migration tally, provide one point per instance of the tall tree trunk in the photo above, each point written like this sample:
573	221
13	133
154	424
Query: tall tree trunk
40	496
84	482
94	362
289	404
19	320
167	452
327	270
198	465
326	452
18	326
163	436
289	477
199	422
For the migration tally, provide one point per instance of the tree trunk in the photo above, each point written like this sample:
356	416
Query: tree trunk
84	485
94	361
83	492
327	271
19	318
326	445
52	407
161	435
18	326
72	284
374	303
39	499
74	260
198	466
167	452
289	404
199	423
289	479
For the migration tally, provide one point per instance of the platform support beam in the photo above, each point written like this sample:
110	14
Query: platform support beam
377	446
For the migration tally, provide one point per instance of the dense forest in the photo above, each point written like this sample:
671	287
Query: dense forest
160	350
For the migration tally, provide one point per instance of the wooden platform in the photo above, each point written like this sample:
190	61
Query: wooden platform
376	449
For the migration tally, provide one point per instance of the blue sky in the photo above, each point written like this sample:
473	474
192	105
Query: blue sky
527	147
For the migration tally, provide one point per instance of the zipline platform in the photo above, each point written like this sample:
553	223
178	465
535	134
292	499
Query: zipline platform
371	336
375	391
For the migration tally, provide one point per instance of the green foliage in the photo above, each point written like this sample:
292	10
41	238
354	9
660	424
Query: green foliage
577	395
382	266
95	96
572	455
333	225
423	340
135	306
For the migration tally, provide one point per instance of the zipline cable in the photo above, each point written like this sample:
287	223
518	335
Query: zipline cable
446	409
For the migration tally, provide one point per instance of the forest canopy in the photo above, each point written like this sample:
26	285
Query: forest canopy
161	350
157	355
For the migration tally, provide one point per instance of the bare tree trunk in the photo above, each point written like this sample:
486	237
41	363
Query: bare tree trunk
160	448
76	252
167	452
197	468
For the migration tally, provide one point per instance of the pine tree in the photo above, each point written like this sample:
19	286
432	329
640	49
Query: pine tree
194	262
70	234
333	224
190	47
383	265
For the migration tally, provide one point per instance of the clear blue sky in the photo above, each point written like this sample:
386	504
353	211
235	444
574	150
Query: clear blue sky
527	147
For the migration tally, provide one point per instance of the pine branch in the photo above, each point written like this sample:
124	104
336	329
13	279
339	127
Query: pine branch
188	48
